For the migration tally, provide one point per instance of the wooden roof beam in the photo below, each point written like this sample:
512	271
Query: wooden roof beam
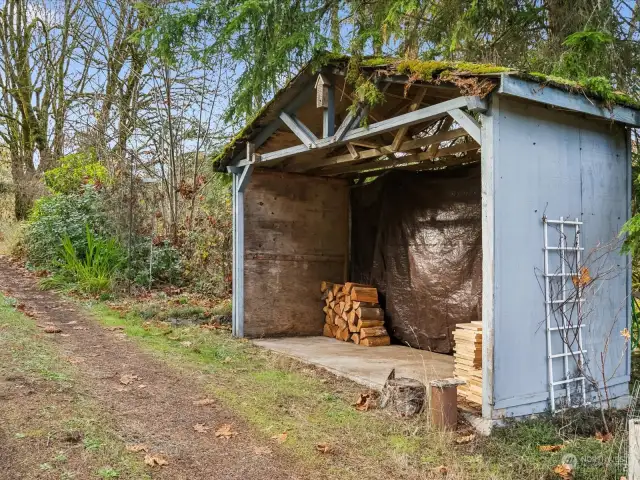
300	130
407	145
421	115
405	160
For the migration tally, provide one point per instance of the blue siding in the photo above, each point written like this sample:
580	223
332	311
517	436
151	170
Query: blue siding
547	162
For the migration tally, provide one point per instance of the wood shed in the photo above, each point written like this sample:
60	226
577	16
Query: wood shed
464	193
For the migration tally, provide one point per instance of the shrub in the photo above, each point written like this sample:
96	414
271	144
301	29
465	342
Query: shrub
90	272
166	266
206	249
74	171
58	216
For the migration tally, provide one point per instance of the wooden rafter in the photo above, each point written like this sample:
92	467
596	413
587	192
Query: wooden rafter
398	161
467	122
300	130
445	126
406	146
402	131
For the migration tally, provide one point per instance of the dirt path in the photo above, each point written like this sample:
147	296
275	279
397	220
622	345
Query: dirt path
161	414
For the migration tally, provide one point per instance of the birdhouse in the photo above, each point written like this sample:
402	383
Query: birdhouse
322	91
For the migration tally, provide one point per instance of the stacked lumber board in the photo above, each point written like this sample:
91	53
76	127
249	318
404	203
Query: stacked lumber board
353	314
468	360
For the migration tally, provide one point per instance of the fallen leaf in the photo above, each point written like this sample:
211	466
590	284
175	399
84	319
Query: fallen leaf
52	329
79	328
442	470
200	428
550	448
75	360
323	448
117	327
280	438
225	431
138	447
365	402
227	360
564	471
186	344
153	460
128	378
262	450
72	322
465	439
204	402
65	335
604	437
142	386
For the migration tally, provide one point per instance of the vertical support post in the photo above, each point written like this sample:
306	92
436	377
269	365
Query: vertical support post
238	259
234	269
325	99
329	114
490	136
240	263
628	256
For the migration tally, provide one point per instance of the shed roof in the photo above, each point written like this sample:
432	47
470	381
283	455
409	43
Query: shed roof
468	78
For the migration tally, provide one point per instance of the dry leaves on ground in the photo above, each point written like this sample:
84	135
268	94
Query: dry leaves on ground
550	448
52	329
324	448
75	360
201	428
604	437
365	402
186	344
203	403
262	450
281	437
226	431
138	447
465	439
564	471
153	460
442	470
128	378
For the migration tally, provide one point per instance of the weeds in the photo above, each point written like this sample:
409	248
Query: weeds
92	272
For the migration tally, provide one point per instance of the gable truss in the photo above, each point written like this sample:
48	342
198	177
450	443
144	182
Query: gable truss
402	151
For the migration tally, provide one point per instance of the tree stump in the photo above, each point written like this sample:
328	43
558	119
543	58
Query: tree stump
404	396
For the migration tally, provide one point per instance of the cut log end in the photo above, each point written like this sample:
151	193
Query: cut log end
375	341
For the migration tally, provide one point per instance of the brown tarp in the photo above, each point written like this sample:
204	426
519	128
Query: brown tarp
417	238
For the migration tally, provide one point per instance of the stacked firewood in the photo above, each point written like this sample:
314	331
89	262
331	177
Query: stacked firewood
468	360
352	313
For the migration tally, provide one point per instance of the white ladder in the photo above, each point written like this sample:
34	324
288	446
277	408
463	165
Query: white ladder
556	303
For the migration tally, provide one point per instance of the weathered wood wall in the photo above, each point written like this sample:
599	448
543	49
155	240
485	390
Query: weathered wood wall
296	235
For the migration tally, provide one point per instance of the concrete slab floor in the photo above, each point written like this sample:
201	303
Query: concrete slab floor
368	366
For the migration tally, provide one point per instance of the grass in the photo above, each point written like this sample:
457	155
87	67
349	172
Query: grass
275	394
39	429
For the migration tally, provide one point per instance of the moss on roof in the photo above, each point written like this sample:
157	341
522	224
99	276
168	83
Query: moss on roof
598	88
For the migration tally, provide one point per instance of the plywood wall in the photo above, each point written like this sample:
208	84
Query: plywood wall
296	235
